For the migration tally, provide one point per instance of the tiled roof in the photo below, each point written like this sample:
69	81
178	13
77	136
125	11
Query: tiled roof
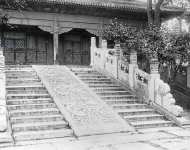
130	5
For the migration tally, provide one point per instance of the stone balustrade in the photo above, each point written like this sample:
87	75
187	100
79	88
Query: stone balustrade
149	87
3	108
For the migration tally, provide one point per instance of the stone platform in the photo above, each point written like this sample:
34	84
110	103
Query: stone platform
85	112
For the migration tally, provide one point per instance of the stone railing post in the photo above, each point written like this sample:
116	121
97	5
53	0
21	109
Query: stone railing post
3	108
105	51
118	51
92	50
154	74
132	66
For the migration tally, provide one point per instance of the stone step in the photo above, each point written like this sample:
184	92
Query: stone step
27	96
38	112
31	106
144	117
23	81
23	84
10	77
94	79
25	87
152	124
33	135
127	112
91	76
18	66
115	93
19	71
103	85
86	73
31	119
99	82
81	69
36	126
108	89
29	101
129	106
38	91
18	76
124	101
118	97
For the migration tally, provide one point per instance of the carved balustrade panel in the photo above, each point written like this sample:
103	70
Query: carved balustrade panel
141	84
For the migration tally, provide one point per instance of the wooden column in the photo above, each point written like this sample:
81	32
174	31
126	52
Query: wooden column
55	46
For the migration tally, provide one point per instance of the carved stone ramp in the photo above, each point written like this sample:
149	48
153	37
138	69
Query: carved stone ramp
86	113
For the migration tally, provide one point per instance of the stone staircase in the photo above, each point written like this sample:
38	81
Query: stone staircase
122	100
32	112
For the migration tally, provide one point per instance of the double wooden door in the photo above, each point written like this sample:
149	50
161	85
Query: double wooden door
76	50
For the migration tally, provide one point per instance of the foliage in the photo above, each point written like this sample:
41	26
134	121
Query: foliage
11	4
152	41
14	4
119	32
159	43
177	46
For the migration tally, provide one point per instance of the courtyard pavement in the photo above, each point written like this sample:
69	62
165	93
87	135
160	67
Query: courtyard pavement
121	138
172	138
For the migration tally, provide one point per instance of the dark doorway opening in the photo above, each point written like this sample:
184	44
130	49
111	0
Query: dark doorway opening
74	47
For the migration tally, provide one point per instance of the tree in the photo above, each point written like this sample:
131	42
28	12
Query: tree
154	15
11	4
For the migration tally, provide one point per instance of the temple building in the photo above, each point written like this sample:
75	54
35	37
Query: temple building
59	31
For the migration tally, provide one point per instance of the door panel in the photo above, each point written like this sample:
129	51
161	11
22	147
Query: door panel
20	57
85	51
68	52
76	53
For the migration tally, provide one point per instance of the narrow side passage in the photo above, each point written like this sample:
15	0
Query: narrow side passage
86	113
125	103
32	112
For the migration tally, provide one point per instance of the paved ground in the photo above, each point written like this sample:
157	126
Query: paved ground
167	139
170	138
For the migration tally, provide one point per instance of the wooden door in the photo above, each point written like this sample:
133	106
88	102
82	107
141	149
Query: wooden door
85	52
68	52
76	50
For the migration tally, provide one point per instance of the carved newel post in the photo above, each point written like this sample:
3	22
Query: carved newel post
117	54
154	74
3	109
92	50
132	67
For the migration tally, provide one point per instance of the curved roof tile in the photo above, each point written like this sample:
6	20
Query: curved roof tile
130	5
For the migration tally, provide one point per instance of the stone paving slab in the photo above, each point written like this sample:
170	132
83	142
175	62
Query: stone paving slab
180	132
116	141
86	113
173	144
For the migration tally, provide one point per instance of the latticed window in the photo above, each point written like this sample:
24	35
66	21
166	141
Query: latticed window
14	40
19	43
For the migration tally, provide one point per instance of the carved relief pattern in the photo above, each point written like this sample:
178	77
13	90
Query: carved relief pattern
165	99
84	110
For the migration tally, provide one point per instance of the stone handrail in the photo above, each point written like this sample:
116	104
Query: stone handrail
149	87
3	108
